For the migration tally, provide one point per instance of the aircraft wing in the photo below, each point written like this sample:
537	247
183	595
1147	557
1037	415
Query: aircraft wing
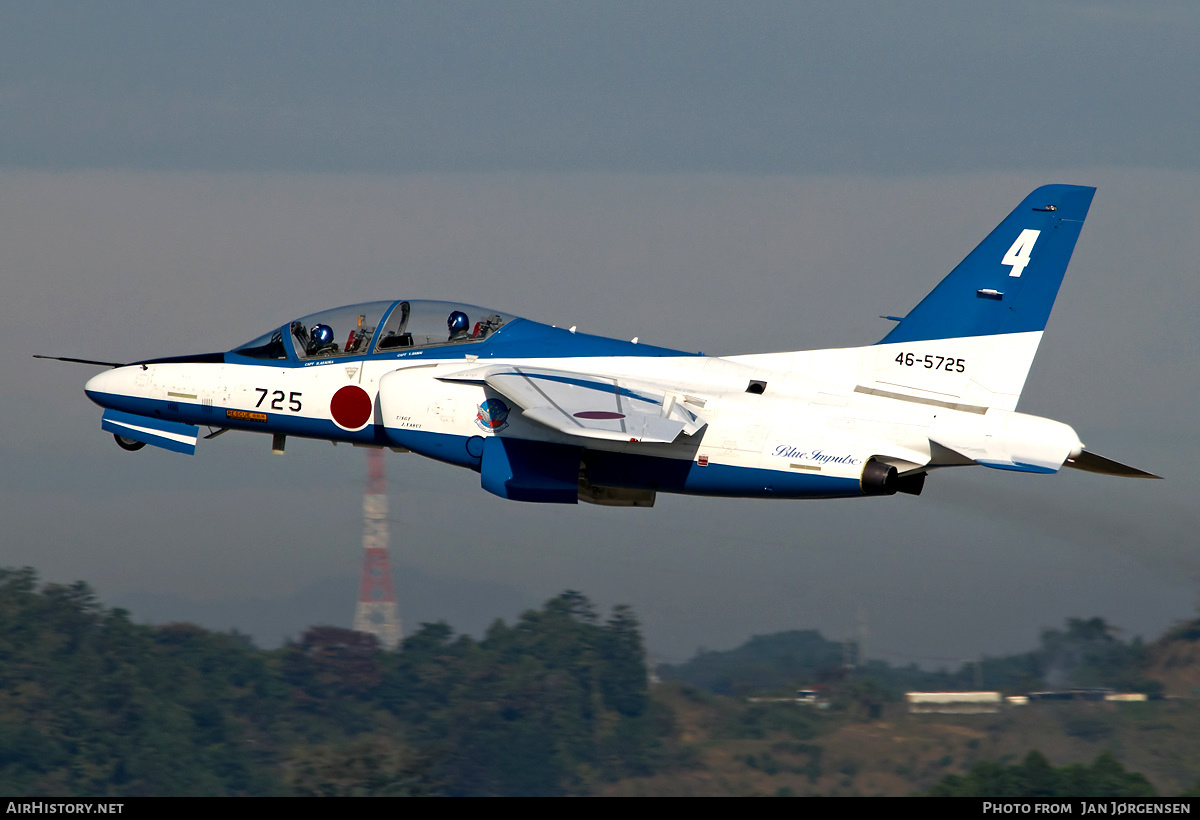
588	406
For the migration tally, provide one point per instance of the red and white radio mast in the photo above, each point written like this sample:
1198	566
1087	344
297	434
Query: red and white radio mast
376	612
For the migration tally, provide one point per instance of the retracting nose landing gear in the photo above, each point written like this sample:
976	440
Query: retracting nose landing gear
128	443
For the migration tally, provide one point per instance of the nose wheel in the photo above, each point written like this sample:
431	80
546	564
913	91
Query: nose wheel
128	443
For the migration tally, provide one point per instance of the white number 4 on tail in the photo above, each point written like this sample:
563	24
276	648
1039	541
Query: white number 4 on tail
1018	254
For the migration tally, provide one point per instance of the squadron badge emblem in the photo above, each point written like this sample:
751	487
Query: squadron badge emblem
492	415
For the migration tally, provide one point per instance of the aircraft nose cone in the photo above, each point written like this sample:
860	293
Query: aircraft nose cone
103	385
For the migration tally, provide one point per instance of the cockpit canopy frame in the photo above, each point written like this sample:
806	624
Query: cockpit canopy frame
371	328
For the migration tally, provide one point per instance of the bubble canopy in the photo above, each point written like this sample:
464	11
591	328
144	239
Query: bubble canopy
376	327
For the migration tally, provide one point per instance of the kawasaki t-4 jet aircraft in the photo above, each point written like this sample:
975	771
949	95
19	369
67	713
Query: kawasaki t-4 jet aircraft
547	414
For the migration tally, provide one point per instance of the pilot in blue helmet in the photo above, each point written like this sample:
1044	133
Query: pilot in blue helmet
457	323
320	339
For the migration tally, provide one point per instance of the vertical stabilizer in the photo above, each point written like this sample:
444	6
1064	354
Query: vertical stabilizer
973	338
1009	282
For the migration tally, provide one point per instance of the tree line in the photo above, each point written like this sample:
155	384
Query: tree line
554	703
92	703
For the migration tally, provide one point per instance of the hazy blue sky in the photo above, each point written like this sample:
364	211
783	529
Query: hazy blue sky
730	178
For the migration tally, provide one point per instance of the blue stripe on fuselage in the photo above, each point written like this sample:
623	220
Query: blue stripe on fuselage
669	475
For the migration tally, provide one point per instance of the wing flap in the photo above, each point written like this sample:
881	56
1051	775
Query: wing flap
630	427
586	405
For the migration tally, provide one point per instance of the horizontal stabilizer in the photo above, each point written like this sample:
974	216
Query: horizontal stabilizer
1092	463
170	435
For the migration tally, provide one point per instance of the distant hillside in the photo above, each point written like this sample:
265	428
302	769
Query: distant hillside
1174	660
1087	653
764	662
558	703
728	746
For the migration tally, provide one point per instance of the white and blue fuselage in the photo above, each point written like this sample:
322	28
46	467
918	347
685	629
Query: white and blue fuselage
548	414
